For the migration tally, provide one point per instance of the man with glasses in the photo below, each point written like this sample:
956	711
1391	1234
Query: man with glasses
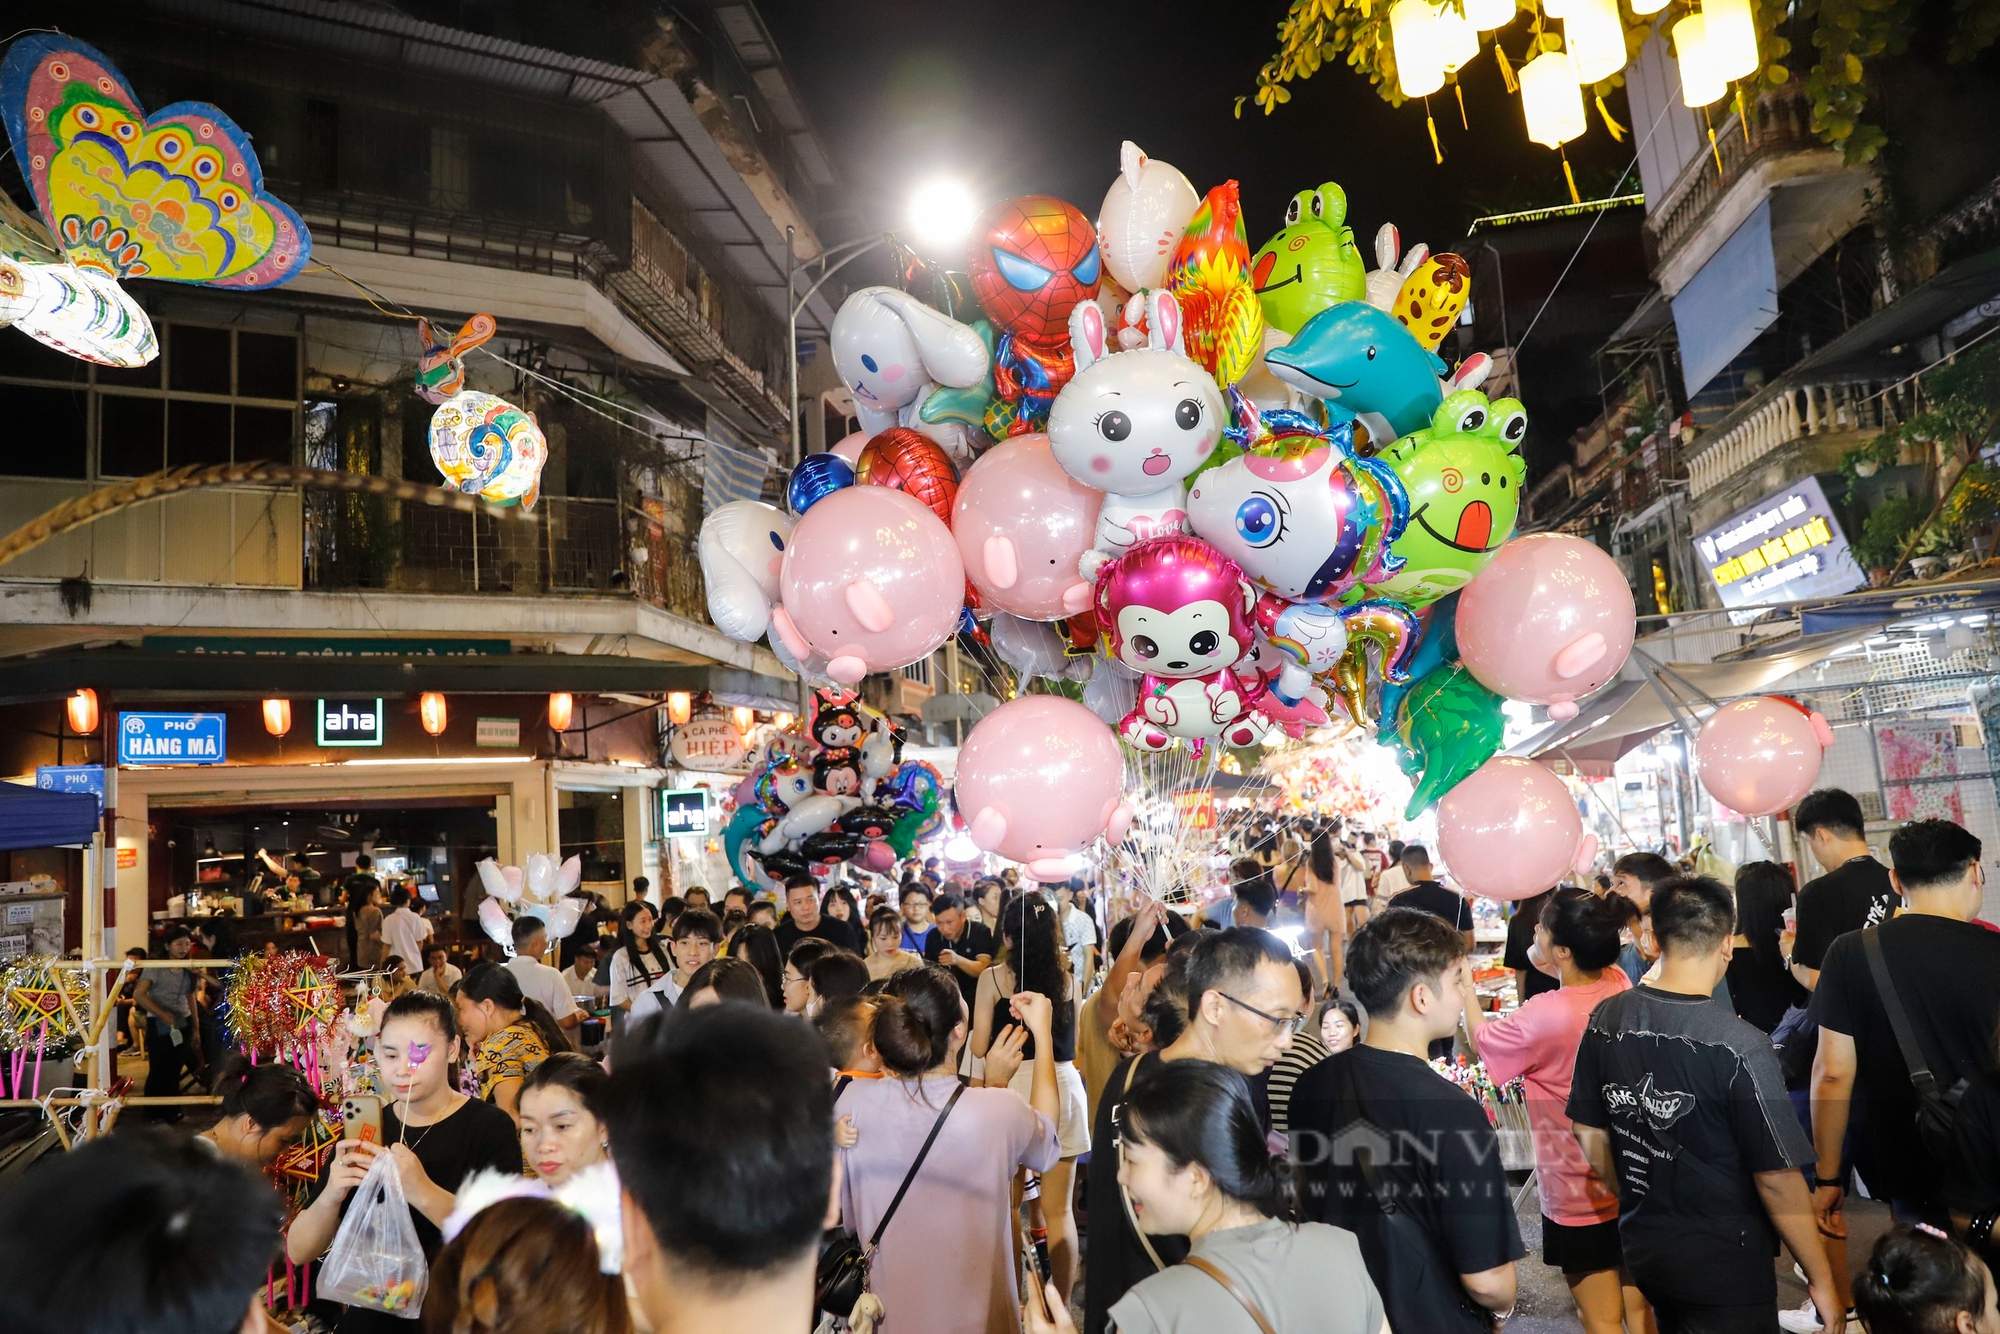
1245	1005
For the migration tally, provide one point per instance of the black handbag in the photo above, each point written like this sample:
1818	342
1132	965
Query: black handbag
842	1274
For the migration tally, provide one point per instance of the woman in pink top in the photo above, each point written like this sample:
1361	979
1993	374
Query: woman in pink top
1578	936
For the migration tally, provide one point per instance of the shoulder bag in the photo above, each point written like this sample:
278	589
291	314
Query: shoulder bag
1937	1108
842	1275
1230	1286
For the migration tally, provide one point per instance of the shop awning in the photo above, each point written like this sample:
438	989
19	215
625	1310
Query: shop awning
1630	712
1865	612
33	818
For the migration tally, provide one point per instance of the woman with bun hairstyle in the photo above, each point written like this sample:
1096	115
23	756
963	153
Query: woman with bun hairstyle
1194	1162
265	1108
562	1117
511	1033
726	979
960	1198
1919	1281
524	1266
1579	933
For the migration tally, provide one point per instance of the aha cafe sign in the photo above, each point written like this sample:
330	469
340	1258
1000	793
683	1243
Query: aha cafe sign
710	743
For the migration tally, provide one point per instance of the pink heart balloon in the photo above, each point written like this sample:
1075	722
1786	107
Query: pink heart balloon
1509	830
1549	620
1038	780
1759	756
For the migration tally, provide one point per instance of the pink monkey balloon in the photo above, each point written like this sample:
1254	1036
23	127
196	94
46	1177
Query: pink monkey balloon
850	445
1039	778
1022	523
872	581
1510	830
1758	756
1548	621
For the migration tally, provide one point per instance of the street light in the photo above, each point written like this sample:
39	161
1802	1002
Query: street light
847	253
942	212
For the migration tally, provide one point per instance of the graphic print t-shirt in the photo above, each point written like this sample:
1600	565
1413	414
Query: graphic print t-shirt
1851	897
1695	1103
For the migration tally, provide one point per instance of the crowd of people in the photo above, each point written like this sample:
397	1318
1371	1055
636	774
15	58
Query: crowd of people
962	1108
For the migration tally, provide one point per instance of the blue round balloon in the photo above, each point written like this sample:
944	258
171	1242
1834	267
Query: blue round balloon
817	477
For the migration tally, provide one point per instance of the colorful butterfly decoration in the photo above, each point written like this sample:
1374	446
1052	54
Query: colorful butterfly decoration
177	195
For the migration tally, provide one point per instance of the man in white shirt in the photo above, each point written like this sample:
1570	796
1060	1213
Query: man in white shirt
439	977
539	981
581	976
1079	934
403	931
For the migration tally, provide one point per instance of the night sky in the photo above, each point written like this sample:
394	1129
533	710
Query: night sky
1034	97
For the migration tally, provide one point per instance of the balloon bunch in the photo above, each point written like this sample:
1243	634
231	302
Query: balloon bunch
840	792
539	889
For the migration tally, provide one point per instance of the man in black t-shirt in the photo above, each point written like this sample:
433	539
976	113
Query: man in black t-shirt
1427	895
960	944
1376	1130
1682	1106
1244	1007
803	918
1946	972
1529	981
1855	892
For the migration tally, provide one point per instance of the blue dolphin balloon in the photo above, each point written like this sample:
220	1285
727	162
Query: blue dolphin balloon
1363	363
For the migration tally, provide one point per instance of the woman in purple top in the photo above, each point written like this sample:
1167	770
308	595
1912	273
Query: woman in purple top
945	1264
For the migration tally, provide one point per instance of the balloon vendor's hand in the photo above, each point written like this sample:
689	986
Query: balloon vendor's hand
1003	1056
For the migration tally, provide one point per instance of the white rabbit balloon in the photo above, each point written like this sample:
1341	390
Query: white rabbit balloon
742	549
1144	214
1386	281
1134	425
892	352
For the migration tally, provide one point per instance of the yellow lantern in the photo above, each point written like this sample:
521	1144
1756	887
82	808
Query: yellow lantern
743	717
1700	84
430	708
1454	38
1556	9
680	707
1595	36
1729	35
1486	15
1419	67
1551	99
560	707
82	711
785	721
1645	7
277	716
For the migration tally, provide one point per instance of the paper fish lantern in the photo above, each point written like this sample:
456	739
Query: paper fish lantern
485	446
79	312
1210	277
440	369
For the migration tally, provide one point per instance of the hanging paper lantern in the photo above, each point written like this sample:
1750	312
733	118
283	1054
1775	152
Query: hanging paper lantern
277	716
431	709
561	705
1700	84
1419	66
1552	100
743	718
680	707
1595	36
1454	38
487	447
1645	7
82	711
1557	9
1729	35
1486	15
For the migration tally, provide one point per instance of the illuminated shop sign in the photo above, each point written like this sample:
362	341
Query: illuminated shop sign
1785	548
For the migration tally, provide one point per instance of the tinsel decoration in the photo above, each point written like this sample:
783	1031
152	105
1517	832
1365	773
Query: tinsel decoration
283	1008
44	1013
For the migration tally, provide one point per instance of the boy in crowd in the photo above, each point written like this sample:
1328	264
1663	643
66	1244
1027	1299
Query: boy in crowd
1428	894
1854	892
1680	1107
538	980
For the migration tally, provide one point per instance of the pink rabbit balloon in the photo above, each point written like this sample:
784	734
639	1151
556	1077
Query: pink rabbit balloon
871	580
1022	523
1548	621
1039	779
1758	756
1510	830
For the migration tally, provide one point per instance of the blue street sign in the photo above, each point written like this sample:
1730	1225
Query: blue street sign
73	778
172	738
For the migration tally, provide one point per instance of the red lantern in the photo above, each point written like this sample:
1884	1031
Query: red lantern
82	709
430	708
680	707
277	716
560	706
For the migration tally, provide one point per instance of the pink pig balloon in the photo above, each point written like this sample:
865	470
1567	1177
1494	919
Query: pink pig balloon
1758	756
850	445
1022	523
1510	830
1548	621
1039	779
872	581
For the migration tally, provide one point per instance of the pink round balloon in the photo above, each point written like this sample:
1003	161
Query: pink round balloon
1758	756
1039	778
849	446
1548	621
1510	829
872	581
1022	523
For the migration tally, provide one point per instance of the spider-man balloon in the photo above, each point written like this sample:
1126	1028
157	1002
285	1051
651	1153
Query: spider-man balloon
1034	259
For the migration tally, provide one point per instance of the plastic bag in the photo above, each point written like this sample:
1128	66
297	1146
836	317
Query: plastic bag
376	1260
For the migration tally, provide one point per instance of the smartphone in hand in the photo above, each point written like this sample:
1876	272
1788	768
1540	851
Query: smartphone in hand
361	1118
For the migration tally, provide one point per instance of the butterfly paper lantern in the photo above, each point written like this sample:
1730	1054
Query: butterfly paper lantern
487	447
177	195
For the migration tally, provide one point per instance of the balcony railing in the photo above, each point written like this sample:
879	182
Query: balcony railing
1786	412
1780	123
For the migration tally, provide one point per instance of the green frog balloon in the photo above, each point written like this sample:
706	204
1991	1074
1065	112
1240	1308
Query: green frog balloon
1312	263
1464	473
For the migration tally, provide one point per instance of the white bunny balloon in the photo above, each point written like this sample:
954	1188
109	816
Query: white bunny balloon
893	351
1386	281
742	548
